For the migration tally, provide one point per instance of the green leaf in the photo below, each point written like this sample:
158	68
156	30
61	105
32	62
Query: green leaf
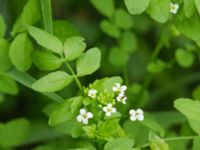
76	104
52	82
156	143
29	16
88	62
110	29
156	66
20	52
188	8
118	57
62	113
46	61
77	130
2	26
123	19
197	4
191	110
74	47
63	30
46	40
136	6
129	42
8	85
110	128
90	130
159	10
190	27
153	125
5	62
196	143
13	133
196	93
106	84
184	58
121	143
105	7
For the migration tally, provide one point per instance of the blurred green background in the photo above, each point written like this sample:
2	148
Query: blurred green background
173	81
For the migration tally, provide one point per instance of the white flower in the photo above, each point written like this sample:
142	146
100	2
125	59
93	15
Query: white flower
121	98
174	8
92	93
136	114
84	116
119	88
109	109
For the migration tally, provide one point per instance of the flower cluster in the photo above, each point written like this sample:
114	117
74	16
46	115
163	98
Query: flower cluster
120	90
107	103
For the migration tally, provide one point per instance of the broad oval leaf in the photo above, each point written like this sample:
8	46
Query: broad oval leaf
46	40
123	19
190	27
18	126
159	10
88	62
121	143
197	4
156	143
190	109
46	61
189	8
122	57
63	30
8	85
136	6
110	29
52	82
105	7
64	112
184	58
29	16
74	47
5	62
20	52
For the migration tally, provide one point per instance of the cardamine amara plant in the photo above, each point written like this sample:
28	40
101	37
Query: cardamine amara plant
99	75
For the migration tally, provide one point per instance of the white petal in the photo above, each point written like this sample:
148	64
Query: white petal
140	117
124	101
123	88
114	110
109	105
139	111
89	115
132	112
105	109
108	113
85	121
79	118
114	89
132	118
82	111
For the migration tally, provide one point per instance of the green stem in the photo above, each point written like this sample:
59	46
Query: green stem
75	77
27	80
173	139
125	75
47	15
149	76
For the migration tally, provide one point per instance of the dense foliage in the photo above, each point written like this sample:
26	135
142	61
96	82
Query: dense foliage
99	74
